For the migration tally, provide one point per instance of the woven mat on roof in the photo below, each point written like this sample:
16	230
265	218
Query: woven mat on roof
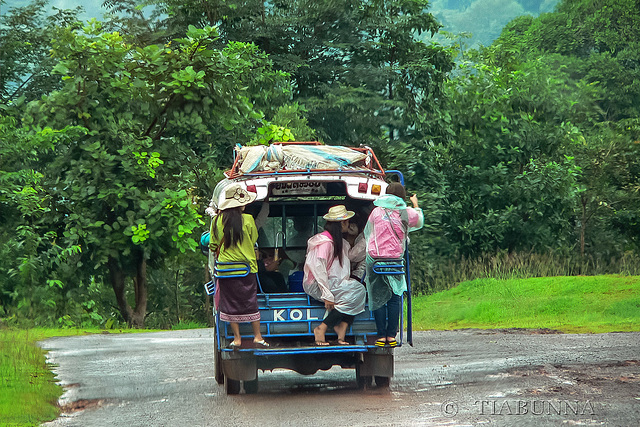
292	157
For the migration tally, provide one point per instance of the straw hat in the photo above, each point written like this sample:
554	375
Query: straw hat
338	213
235	196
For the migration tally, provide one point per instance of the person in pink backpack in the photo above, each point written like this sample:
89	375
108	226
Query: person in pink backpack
386	239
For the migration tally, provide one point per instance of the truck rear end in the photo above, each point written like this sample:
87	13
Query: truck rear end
296	201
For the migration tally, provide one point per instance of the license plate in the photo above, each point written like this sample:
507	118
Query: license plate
292	314
298	188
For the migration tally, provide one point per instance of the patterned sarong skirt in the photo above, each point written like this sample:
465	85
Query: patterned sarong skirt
238	299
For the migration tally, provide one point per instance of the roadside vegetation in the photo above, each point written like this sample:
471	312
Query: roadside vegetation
29	392
444	274
579	304
525	151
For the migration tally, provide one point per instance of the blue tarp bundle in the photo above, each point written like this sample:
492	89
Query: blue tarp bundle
294	157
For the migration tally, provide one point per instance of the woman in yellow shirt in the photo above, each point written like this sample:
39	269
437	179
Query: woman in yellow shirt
233	237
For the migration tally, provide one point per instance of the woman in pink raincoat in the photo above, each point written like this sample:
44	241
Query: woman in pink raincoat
386	236
326	276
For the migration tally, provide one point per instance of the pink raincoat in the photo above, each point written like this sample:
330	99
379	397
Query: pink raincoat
326	280
386	235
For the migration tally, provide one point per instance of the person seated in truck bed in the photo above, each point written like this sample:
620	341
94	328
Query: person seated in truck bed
355	237
326	276
272	272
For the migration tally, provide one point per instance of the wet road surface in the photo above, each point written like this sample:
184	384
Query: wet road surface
451	378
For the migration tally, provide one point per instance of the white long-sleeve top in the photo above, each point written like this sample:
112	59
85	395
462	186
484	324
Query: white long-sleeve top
325	279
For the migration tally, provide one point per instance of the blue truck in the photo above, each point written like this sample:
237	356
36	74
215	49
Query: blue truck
292	197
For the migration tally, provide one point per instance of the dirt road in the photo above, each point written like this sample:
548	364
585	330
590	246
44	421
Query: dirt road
453	378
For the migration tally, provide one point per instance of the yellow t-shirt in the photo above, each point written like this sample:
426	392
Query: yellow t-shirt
243	251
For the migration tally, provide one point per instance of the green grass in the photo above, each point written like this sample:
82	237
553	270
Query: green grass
576	304
29	393
188	325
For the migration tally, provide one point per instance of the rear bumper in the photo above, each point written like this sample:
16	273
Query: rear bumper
311	350
367	360
302	350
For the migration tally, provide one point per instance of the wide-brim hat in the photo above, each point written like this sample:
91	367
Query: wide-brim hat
235	196
338	213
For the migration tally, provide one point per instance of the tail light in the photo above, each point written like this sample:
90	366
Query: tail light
251	188
363	187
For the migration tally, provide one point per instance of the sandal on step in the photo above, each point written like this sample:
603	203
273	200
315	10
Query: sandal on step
261	344
381	342
321	343
234	346
392	343
342	342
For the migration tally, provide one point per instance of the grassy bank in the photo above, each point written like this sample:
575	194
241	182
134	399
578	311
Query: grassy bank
579	304
431	274
29	393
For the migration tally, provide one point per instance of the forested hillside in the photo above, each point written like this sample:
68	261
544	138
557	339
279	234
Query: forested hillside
479	22
524	154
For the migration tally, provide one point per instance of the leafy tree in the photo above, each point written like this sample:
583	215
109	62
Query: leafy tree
359	68
609	201
25	40
510	183
595	43
124	191
602	37
34	264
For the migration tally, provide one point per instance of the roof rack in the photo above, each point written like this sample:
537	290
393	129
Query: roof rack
372	167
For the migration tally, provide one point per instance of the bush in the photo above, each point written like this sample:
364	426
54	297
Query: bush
441	273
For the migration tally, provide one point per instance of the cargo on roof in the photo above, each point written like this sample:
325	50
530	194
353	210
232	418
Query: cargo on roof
302	156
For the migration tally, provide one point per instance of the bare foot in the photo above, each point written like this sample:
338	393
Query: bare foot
318	334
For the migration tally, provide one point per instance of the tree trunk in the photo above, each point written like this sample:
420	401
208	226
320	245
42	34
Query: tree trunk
583	225
140	289
117	277
134	317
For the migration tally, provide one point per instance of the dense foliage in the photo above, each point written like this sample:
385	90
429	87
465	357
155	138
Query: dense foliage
112	136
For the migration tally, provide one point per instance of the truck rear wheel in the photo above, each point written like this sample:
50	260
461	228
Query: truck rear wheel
217	361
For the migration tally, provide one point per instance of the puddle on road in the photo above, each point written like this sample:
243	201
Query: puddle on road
81	405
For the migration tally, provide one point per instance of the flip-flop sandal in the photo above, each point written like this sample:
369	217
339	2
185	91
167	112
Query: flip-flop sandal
321	343
342	342
392	343
261	344
381	343
234	346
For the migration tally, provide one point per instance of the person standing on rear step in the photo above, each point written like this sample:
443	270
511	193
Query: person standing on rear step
326	277
386	239
233	236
